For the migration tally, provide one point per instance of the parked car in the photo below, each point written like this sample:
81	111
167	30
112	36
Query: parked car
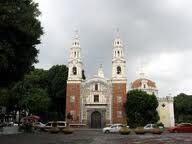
151	127
38	125
60	124
183	127
15	124
113	128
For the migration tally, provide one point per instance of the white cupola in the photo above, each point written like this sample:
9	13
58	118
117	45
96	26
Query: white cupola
118	59
75	62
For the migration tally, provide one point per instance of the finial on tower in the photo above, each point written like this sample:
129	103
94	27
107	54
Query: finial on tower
141	70
117	33
76	40
76	33
100	71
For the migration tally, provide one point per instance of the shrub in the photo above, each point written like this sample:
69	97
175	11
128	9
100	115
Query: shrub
124	130
68	130
26	127
54	130
139	130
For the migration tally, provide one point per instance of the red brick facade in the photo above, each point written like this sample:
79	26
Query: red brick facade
118	110
73	101
118	101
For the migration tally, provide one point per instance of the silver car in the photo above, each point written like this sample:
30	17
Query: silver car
113	128
60	124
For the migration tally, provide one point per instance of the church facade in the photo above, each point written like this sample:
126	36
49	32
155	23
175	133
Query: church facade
98	101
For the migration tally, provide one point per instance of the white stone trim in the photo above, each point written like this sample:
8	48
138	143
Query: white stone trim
74	81
119	81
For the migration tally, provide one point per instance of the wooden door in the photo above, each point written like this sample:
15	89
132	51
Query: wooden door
96	120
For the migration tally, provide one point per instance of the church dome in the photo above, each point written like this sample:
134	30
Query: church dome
138	83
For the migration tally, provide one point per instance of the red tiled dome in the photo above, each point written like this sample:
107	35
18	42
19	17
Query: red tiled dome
137	83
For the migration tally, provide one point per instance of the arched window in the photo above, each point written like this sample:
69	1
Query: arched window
74	70
118	53
96	87
118	70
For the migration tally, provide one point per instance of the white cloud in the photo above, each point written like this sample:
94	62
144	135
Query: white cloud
158	31
164	64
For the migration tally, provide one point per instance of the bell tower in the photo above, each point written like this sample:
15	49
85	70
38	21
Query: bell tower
75	66
119	81
75	62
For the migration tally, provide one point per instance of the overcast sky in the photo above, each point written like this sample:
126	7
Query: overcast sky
157	34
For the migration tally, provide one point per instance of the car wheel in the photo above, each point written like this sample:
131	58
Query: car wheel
107	131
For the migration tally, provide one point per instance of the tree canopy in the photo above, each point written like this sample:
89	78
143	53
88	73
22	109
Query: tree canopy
31	93
20	32
42	92
183	108
57	82
141	108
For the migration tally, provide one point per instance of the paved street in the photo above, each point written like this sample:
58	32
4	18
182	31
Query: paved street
96	137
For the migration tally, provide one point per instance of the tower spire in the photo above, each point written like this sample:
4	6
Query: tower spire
76	33
117	33
75	61
76	39
100	71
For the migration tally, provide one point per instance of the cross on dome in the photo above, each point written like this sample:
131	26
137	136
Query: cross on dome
76	33
100	71
117	33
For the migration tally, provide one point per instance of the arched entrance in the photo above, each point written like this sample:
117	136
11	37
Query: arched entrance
96	119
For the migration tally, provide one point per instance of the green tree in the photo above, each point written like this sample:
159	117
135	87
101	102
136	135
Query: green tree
31	93
183	108
141	108
4	94
42	92
20	32
57	82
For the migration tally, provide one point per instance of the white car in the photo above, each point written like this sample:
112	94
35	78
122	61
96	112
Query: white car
38	125
60	124
150	127
113	128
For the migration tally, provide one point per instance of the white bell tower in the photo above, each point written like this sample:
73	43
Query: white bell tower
75	61
118	59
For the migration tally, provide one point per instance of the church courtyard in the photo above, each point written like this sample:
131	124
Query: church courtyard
90	136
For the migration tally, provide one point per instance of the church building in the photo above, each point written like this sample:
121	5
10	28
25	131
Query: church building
98	101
